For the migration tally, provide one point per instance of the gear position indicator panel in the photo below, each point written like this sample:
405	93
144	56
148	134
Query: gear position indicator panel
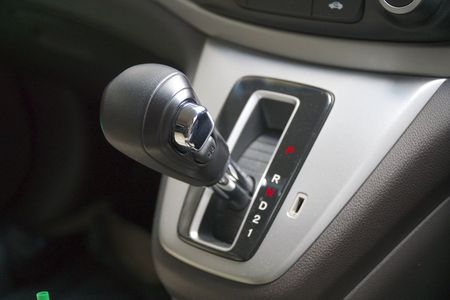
271	149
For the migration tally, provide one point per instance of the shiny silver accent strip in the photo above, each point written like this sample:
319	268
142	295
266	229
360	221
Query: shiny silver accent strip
400	10
227	183
233	138
370	113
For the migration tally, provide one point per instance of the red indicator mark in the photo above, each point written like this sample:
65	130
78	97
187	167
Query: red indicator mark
270	192
289	150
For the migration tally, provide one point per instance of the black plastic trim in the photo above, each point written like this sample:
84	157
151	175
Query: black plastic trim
315	105
373	23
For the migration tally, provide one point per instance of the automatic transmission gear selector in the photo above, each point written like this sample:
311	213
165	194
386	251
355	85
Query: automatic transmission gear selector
151	113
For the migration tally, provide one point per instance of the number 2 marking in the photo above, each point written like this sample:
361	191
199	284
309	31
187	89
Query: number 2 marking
256	219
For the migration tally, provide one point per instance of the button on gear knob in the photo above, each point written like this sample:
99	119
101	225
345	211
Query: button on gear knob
193	126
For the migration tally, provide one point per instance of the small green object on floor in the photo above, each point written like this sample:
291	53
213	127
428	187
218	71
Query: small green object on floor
42	295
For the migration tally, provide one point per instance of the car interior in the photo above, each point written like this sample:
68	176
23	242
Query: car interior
225	149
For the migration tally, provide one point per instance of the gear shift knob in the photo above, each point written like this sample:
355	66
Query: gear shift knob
151	113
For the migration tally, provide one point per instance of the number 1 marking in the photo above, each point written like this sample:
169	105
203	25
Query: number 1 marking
250	232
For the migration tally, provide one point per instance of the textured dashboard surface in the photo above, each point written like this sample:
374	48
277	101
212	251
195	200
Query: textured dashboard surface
389	57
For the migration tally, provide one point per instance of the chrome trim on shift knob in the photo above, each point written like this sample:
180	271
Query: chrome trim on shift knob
193	129
193	126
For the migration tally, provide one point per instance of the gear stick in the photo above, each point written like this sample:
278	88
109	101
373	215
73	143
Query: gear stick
150	113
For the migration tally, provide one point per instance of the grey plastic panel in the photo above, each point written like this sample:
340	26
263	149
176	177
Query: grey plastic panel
406	58
369	115
390	203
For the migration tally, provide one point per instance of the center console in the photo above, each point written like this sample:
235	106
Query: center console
344	122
